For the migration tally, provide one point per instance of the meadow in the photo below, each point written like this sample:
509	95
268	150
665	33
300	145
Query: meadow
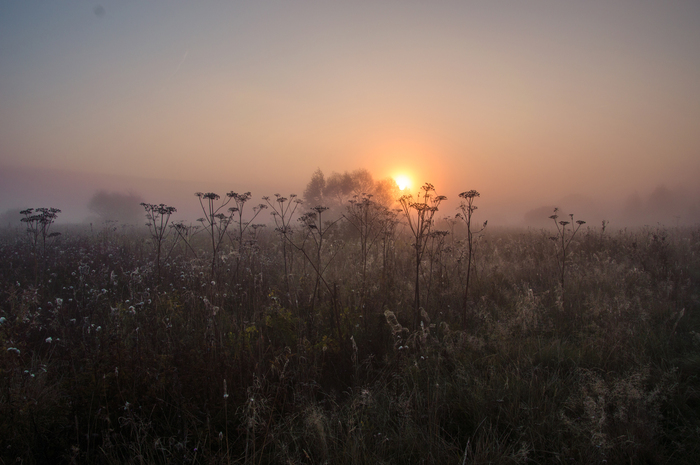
353	339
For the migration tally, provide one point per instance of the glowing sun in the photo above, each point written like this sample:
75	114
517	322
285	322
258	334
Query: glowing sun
403	182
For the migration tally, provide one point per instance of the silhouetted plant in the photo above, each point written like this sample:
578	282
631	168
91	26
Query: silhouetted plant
565	234
313	222
39	223
215	222
467	208
419	214
435	250
366	216
282	213
240	200
389	221
317	230
185	233
451	223
158	217
255	231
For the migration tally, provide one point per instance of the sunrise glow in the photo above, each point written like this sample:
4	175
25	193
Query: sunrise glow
403	182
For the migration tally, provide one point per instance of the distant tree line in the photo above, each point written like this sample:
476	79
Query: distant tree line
117	206
335	190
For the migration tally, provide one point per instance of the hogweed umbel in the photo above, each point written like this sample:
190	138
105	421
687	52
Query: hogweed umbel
468	208
565	234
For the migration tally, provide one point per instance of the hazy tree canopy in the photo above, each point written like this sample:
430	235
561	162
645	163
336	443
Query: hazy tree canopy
313	194
335	190
363	183
386	192
125	208
339	188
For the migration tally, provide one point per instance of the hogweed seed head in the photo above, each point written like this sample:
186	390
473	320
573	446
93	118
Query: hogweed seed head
469	194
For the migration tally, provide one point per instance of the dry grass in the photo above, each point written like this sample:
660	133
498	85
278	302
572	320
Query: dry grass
100	363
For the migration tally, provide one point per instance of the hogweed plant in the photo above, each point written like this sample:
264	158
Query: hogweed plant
317	230
158	217
390	220
436	267
368	218
314	227
39	223
419	215
240	200
283	210
566	230
468	208
237	212
185	233
215	221
451	222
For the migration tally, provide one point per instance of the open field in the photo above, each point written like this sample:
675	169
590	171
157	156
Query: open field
305	344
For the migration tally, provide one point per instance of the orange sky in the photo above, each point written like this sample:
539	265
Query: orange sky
522	101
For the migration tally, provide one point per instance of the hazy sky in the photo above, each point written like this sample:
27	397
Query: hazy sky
517	99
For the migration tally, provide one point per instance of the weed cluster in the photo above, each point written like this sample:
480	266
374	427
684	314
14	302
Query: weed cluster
311	342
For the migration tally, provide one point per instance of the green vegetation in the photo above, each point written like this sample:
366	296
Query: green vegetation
311	343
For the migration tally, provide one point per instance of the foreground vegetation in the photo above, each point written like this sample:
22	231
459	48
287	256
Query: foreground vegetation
310	343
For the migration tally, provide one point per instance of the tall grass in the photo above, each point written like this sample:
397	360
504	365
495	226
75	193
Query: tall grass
103	363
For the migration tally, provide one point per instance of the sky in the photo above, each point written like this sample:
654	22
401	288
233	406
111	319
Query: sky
528	102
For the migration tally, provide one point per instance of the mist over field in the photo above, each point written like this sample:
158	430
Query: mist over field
387	335
72	192
362	232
